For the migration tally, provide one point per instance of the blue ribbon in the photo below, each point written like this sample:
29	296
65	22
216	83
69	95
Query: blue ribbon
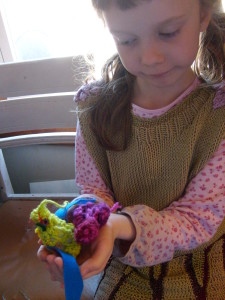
72	278
62	212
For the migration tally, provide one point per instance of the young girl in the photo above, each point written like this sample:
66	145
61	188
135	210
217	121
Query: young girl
151	135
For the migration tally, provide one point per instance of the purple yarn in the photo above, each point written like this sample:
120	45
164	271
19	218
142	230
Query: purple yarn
81	213
87	231
89	218
101	213
86	207
78	217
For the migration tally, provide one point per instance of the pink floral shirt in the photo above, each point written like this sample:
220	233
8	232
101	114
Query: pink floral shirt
186	223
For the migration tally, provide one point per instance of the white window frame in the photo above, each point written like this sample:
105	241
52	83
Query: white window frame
6	47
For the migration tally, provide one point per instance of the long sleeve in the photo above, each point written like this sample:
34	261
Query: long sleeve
185	224
87	177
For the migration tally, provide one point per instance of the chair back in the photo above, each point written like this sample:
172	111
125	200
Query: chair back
38	126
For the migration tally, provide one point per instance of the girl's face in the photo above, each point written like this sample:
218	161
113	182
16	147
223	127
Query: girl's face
158	39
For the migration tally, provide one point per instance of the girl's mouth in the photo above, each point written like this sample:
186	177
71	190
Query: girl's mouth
157	75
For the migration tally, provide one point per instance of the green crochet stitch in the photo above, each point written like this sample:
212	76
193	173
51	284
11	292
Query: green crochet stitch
52	230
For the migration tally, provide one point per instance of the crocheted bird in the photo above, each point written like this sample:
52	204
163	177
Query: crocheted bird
52	230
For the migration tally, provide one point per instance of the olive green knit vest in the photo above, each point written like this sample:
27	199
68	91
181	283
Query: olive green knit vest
162	157
163	154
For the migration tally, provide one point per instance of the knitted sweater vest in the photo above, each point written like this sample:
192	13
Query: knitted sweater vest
162	157
163	154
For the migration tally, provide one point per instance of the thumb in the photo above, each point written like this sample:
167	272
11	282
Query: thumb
90	268
95	264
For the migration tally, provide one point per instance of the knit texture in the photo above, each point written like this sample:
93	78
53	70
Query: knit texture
88	219
164	154
195	276
82	226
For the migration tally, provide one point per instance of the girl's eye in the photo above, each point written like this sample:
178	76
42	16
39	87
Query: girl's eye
45	221
169	34
127	42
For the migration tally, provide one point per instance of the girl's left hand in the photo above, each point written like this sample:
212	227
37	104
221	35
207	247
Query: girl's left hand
99	252
94	257
117	227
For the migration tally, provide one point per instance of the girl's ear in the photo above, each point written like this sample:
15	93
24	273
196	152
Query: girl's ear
205	17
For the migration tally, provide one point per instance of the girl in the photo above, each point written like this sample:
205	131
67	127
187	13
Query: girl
151	135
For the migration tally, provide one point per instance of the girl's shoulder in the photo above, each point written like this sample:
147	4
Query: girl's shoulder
87	91
219	99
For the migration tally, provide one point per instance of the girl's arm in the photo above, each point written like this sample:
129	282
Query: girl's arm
149	237
118	227
94	257
87	176
184	225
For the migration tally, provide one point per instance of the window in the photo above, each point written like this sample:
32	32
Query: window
49	28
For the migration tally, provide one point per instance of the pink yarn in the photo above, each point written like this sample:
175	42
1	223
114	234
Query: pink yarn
78	217
89	218
87	231
101	213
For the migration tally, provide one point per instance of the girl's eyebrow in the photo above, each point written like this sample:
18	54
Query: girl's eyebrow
176	19
118	32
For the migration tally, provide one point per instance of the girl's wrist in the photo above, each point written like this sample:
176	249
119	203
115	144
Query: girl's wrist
122	226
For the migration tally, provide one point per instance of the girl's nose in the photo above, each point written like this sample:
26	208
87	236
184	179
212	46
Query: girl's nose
152	54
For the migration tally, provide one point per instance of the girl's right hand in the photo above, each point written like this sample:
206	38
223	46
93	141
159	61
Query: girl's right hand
54	264
93	258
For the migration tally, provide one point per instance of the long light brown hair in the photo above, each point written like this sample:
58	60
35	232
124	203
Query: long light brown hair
113	106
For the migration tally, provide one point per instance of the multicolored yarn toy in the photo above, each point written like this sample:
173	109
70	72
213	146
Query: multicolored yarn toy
72	225
81	225
88	219
53	231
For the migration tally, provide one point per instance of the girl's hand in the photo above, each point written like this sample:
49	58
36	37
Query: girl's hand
94	257
100	250
54	263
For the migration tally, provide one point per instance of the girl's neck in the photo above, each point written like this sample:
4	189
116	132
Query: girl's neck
150	97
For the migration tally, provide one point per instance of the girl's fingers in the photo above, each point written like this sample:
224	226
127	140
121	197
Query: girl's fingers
97	262
62	285
54	263
42	253
91	268
59	264
55	267
51	259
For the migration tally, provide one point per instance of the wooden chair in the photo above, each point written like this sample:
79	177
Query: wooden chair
37	135
37	117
